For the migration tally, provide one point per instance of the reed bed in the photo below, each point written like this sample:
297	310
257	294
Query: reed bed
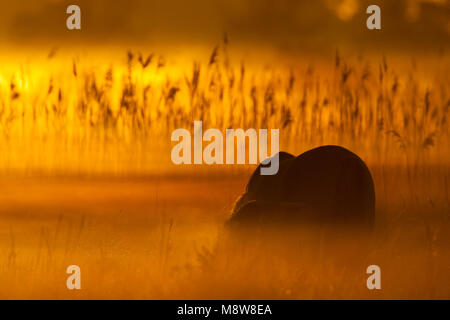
72	116
86	176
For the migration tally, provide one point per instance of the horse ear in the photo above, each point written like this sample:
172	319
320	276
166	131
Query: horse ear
248	214
240	202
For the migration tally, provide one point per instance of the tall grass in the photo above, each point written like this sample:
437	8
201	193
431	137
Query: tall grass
162	237
116	118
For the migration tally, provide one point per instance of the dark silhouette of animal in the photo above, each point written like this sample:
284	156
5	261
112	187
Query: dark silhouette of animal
329	185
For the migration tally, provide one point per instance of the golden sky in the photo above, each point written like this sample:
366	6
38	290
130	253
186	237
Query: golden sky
295	24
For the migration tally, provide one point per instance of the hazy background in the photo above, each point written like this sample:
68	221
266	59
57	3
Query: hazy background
85	171
285	24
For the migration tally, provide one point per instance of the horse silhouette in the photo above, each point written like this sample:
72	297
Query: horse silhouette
328	184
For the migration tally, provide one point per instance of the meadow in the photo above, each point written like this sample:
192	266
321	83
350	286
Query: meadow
86	176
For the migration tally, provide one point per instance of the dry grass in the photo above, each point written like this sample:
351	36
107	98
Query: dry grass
86	180
67	116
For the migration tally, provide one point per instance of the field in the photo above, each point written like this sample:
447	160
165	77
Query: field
86	176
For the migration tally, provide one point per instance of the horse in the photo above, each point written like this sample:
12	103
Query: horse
326	185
